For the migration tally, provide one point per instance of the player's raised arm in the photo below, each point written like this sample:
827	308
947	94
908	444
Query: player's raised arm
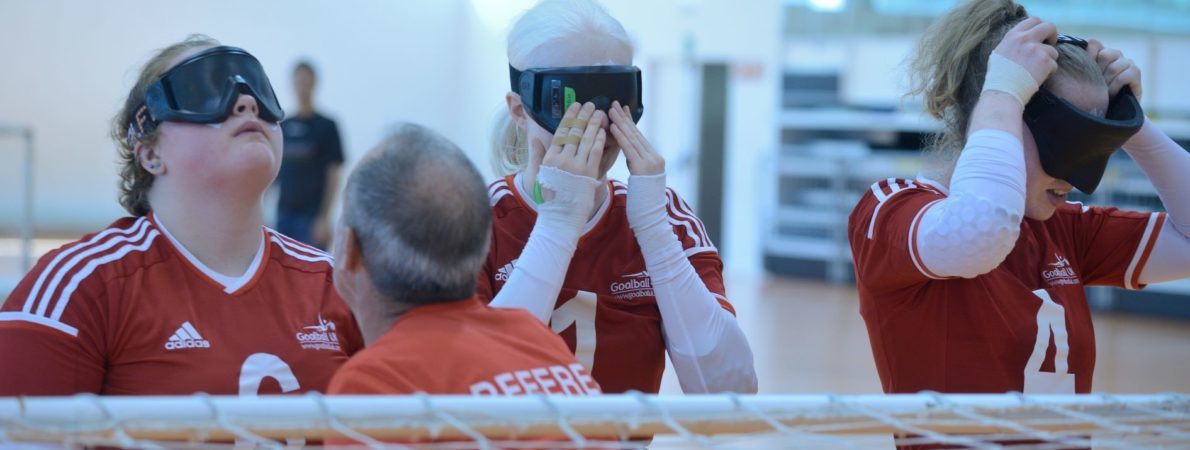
617	308
709	350
987	188
1165	163
567	184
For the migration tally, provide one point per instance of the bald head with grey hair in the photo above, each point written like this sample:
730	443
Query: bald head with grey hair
419	213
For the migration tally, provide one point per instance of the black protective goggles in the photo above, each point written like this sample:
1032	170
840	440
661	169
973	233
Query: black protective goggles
1076	146
204	89
547	93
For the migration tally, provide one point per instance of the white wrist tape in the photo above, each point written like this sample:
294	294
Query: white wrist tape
1008	77
539	272
574	199
567	187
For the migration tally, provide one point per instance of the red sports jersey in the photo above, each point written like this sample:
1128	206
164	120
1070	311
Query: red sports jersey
606	311
129	311
1024	326
465	347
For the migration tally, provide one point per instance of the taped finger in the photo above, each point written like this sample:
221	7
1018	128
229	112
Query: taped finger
573	122
569	139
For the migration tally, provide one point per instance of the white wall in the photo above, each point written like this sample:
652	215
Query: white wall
67	66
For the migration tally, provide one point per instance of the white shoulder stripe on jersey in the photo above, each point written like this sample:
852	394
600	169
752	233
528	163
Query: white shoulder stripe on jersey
64	299
43	301
301	246
496	186
881	198
495	198
40	320
31	302
696	250
878	192
681	205
499	190
304	257
689	230
1140	250
693	226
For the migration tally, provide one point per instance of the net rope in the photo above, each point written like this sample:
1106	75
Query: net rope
624	421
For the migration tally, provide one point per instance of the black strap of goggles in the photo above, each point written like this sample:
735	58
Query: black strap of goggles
1075	41
514	78
140	124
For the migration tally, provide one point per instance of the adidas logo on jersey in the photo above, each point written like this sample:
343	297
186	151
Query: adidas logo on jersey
633	286
1060	272
319	337
503	273
186	337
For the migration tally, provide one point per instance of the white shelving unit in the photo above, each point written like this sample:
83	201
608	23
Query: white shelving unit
826	166
817	184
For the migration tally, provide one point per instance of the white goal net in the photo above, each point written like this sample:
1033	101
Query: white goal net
609	421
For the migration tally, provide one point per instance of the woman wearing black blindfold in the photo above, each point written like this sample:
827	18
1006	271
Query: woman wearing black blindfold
972	279
623	272
191	293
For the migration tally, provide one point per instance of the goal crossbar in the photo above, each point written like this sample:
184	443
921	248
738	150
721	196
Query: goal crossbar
312	416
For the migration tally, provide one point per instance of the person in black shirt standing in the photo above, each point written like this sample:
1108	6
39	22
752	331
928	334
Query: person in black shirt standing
309	175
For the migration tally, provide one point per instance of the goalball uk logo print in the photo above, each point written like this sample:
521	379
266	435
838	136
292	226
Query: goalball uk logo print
1059	272
633	286
319	337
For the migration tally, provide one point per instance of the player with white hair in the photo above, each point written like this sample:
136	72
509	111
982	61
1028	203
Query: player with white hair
624	272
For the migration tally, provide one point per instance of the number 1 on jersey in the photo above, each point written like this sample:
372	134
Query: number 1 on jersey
579	312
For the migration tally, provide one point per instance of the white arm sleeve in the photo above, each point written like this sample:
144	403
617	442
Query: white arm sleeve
971	231
707	346
537	277
1167	165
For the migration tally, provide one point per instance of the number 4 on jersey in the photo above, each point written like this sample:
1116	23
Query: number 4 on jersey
1051	322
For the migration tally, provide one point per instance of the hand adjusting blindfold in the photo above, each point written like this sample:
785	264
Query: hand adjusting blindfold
546	93
1076	146
204	89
